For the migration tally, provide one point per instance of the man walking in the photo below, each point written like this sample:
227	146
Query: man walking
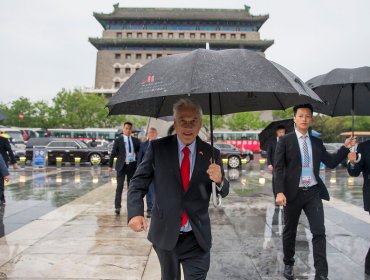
299	187
4	177
125	148
182	169
280	131
6	156
354	169
152	135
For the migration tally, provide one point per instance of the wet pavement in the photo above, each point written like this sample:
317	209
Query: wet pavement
59	224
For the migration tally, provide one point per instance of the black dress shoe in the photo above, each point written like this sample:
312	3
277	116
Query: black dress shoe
288	272
149	215
117	211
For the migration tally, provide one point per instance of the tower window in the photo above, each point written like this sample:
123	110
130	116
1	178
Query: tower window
128	70
117	70
117	55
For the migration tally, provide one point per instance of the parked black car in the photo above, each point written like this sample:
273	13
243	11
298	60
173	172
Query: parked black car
233	155
18	152
68	149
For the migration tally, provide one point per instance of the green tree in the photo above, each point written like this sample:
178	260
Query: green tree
245	120
217	121
283	114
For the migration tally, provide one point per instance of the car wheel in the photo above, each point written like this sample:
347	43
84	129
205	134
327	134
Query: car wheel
95	158
233	162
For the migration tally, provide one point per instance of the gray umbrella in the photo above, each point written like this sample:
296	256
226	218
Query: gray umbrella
222	82
345	92
237	80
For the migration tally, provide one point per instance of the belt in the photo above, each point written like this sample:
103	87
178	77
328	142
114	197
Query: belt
308	188
186	232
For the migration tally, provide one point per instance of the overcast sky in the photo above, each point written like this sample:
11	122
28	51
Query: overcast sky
44	44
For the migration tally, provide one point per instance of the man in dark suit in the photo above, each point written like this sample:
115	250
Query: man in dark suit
125	149
4	176
152	135
280	131
354	169
299	187
7	156
182	169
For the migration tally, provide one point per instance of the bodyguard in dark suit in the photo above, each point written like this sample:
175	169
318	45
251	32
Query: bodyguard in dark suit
181	168
7	156
354	169
152	135
4	176
299	187
280	131
125	148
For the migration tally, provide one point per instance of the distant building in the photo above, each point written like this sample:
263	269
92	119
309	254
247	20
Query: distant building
134	36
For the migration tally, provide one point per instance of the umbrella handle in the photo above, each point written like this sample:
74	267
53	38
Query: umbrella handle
217	198
353	149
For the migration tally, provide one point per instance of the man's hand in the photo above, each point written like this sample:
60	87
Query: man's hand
110	169
352	156
138	223
270	168
350	142
281	199
6	178
214	172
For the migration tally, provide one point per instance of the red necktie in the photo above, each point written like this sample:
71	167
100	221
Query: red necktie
185	177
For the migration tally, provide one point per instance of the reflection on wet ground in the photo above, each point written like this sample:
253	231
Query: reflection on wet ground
247	231
93	243
33	193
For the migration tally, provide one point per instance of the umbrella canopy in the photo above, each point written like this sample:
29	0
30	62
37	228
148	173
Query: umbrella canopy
238	80
269	132
3	116
222	82
345	92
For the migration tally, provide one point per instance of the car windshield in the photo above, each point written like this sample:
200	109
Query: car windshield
82	144
15	135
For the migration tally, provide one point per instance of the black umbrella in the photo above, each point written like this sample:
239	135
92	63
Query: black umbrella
345	92
222	82
269	132
3	116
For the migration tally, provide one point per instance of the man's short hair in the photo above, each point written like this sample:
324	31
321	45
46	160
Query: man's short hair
280	126
300	106
186	103
128	123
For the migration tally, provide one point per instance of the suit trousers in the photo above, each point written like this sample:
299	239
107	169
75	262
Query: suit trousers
2	184
127	170
195	262
308	200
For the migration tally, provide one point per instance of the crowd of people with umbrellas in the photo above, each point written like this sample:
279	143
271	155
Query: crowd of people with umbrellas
220	83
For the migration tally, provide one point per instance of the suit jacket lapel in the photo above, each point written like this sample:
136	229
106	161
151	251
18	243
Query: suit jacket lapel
314	151
296	147
174	150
